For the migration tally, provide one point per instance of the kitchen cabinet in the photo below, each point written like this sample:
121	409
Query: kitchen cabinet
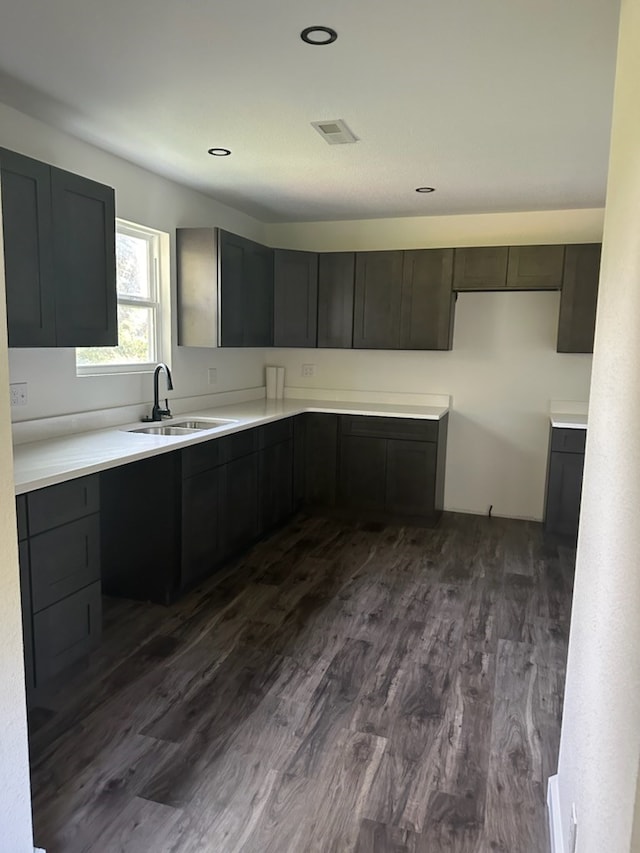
392	467
275	474
428	300
480	268
579	298
239	504
320	459
140	529
59	548
59	243
564	481
336	279
535	267
246	292
199	512
295	298
377	300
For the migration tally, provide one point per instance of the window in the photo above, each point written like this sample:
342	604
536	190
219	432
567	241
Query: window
141	319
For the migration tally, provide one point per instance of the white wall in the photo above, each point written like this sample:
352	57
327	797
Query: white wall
15	800
148	199
600	742
503	369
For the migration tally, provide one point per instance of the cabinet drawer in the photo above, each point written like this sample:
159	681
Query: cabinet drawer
65	502
237	445
21	514
276	432
64	560
200	457
403	428
568	440
66	632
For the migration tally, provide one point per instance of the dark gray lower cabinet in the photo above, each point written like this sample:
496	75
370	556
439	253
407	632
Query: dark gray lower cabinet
275	474
59	530
238	504
564	482
200	530
320	455
392	466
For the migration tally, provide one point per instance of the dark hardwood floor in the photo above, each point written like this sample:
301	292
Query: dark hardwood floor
341	688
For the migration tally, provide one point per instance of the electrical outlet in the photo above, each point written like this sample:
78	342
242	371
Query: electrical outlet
18	393
308	370
573	830
212	373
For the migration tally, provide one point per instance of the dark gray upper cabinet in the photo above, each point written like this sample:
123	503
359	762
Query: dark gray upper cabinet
579	299
535	267
59	239
378	297
246	292
480	268
428	300
336	273
295	290
28	251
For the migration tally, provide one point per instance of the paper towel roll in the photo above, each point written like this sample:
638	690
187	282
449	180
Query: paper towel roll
280	383
271	376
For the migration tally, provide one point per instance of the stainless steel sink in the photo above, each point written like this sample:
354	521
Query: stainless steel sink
164	430
210	423
183	427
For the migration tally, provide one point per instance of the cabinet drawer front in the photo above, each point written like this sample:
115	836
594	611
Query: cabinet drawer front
64	560
568	440
65	502
237	445
407	428
276	432
200	457
21	513
66	632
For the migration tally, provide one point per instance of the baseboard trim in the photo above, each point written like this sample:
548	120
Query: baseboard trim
553	809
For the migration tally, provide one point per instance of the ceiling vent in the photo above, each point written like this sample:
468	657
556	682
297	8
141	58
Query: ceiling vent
334	132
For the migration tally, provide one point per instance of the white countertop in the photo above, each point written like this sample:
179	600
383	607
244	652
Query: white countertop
45	463
562	420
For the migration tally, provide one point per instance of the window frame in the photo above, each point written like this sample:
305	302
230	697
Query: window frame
157	301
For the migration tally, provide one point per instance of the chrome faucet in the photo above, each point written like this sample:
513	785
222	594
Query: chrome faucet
158	413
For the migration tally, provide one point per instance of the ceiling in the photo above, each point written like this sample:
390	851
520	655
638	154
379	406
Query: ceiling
501	105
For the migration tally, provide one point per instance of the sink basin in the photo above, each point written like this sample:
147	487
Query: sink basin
182	427
164	430
211	423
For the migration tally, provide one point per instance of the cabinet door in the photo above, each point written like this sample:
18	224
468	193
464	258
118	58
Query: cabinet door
27	619
579	299
378	294
275	485
28	250
336	272
200	545
535	267
363	463
428	300
564	489
231	254
258	297
295	289
480	268
411	477
85	261
140	529
320	459
238	504
66	632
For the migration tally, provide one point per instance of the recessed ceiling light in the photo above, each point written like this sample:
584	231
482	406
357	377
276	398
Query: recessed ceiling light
425	189
219	152
318	35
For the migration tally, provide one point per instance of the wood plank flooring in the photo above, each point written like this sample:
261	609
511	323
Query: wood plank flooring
343	688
